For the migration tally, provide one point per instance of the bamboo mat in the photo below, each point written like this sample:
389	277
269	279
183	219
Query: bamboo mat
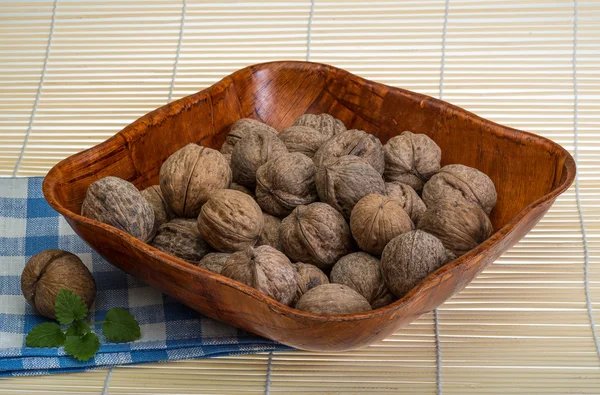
72	73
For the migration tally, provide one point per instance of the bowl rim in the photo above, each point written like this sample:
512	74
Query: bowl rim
173	108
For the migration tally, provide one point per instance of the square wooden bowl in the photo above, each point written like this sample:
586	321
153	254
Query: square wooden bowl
529	172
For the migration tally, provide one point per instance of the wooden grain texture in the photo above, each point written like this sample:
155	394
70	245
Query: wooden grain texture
529	172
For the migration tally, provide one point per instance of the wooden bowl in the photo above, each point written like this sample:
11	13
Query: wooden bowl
529	172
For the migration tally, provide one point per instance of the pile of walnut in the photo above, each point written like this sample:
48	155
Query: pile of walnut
318	217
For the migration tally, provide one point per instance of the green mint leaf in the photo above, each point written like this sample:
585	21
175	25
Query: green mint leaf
78	328
120	326
82	347
69	307
46	334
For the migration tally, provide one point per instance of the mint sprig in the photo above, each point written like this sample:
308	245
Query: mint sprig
79	339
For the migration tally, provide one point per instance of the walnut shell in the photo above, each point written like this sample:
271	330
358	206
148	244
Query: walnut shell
286	182
240	129
270	233
333	299
252	152
362	272
265	269
190	176
181	238
411	159
459	224
325	123
352	142
162	211
303	139
409	258
214	261
408	197
230	221
377	219
309	276
118	203
48	272
241	188
459	181
344	182
315	234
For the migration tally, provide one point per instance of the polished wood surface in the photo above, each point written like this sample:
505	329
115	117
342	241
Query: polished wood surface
529	172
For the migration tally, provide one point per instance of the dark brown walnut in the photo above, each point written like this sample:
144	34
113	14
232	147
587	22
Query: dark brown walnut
118	203
408	197
459	181
252	152
309	276
333	299
409	258
230	221
181	238
48	272
270	233
315	234
352	142
190	176
241	188
286	182
362	272
303	139
265	269
411	159
344	182
459	224
240	129
377	219
325	123
162	211
214	261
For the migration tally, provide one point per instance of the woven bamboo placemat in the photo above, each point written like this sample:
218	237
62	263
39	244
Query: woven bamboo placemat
72	73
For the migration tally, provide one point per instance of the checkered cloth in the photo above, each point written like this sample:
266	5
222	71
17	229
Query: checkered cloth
170	330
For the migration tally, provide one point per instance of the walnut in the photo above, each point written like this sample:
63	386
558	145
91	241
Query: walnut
325	123
230	221
309	276
241	188
270	233
409	258
214	261
459	181
252	152
408	197
48	272
162	211
362	272
181	238
345	181
377	219
286	182
352	142
459	224
333	299
315	234
240	129
411	159
118	203
303	139
190	176
265	269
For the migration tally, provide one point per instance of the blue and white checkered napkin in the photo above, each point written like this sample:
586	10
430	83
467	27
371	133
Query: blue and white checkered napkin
170	330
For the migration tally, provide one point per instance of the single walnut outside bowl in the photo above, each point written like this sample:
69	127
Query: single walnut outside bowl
529	172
